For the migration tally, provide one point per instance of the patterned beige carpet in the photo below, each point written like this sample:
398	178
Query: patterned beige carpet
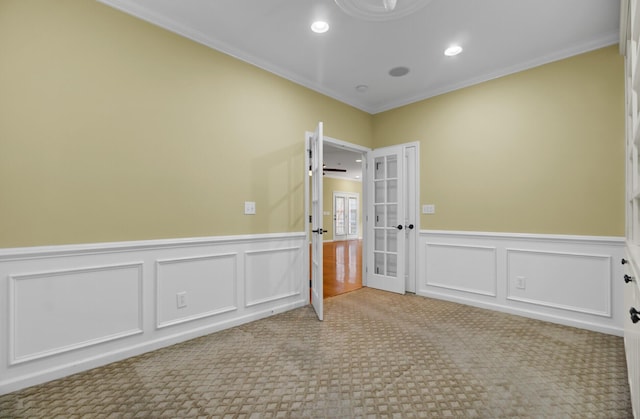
376	355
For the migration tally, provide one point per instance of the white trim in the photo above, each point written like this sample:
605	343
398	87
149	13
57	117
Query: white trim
624	26
347	146
609	240
40	252
414	264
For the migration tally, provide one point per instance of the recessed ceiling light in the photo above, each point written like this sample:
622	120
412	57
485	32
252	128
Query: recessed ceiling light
319	26
399	71
357	177
361	88
359	161
453	50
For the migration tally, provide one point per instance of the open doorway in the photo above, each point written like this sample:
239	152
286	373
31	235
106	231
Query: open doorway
343	217
389	217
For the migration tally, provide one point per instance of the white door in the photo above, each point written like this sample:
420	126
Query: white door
386	257
345	215
315	161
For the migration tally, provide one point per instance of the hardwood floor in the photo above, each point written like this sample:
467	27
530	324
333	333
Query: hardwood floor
342	267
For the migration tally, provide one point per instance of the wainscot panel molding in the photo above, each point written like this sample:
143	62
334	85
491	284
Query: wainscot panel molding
211	279
44	308
283	264
477	276
570	280
563	272
75	307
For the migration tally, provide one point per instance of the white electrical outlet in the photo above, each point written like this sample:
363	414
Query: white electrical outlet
249	208
429	209
521	282
181	298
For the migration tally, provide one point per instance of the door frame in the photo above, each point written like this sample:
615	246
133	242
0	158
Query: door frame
413	187
365	199
307	187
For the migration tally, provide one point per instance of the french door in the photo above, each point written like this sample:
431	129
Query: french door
386	212
345	215
315	163
390	221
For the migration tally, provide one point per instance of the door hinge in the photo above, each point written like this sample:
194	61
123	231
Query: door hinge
310	153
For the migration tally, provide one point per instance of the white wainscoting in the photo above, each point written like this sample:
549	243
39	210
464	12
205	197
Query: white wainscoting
72	308
211	281
571	280
477	275
282	264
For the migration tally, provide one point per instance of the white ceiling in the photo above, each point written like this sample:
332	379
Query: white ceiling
499	37
339	158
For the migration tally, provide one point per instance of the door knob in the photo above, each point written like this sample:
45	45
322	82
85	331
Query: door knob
319	231
624	261
409	227
628	278
399	226
634	315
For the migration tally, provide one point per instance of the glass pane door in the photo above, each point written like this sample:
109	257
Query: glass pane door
340	216
386	213
345	215
386	257
353	216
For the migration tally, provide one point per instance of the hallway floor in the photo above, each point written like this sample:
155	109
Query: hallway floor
342	267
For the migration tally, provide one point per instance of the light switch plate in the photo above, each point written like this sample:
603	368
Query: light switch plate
249	208
429	209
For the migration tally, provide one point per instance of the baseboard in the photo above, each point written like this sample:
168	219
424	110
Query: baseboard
565	279
72	308
532	314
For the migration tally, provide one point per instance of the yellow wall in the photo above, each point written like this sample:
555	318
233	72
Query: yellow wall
330	186
540	151
112	129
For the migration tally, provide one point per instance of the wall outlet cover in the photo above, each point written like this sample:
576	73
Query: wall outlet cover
181	298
